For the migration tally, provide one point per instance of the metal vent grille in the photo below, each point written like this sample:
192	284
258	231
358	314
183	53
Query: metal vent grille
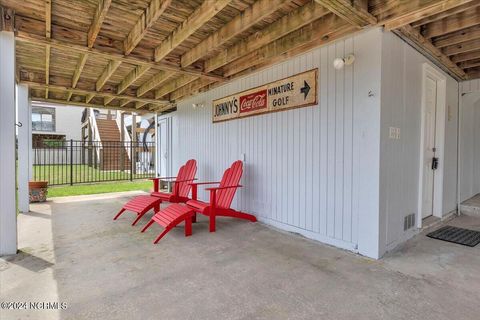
408	221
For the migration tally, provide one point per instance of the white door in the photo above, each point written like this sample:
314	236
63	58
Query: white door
163	131
429	146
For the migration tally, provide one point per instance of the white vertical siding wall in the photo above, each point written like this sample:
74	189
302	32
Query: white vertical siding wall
469	152
401	108
311	170
469	145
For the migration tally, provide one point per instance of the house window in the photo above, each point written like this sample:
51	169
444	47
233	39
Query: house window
43	119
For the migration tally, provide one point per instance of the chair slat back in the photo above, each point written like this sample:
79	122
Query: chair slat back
186	172
231	177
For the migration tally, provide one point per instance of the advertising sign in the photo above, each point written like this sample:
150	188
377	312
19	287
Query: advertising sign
296	91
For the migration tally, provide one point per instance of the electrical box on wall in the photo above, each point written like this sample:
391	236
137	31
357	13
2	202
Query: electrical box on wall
394	133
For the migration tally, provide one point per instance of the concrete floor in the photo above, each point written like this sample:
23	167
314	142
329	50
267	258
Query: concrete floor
72	251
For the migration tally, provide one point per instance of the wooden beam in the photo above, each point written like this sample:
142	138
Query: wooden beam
78	71
469	64
98	18
414	11
107	100
473	73
190	88
107	73
457	37
466	56
82	104
354	12
89	93
89	97
248	18
67	46
297	50
207	10
444	14
48	34
7	19
151	14
139	104
297	19
154	82
135	74
79	68
124	102
462	47
319	29
430	50
48	18
47	69
452	23
173	85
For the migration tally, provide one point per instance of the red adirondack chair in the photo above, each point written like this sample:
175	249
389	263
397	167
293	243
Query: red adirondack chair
220	200
221	197
181	190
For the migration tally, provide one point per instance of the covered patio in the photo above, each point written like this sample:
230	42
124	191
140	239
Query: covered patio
72	252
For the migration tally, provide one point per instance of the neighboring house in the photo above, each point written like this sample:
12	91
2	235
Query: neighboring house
52	123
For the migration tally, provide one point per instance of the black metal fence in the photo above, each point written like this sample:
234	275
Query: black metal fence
74	161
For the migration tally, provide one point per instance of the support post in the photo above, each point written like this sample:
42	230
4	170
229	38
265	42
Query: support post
8	210
134	142
71	162
24	146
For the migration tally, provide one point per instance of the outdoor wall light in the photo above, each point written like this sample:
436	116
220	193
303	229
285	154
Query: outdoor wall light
339	63
197	105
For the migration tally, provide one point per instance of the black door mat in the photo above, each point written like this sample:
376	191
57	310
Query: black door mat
461	236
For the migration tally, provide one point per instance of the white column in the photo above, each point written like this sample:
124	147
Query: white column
157	153
24	146
8	211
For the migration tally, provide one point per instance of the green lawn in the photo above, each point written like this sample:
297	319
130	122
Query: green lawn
56	174
104	187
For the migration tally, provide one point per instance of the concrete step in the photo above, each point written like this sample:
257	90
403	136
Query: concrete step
471	207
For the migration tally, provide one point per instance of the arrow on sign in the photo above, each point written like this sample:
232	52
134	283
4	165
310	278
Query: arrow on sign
305	89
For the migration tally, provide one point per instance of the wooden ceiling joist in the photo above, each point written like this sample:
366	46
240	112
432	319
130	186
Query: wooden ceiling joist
90	94
100	13
452	23
429	49
79	68
412	11
251	16
462	47
154	82
136	73
84	104
48	34
173	85
111	67
297	19
47	69
470	64
151	14
448	10
467	56
48	18
457	37
89	97
66	46
354	12
197	19
107	100
319	29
